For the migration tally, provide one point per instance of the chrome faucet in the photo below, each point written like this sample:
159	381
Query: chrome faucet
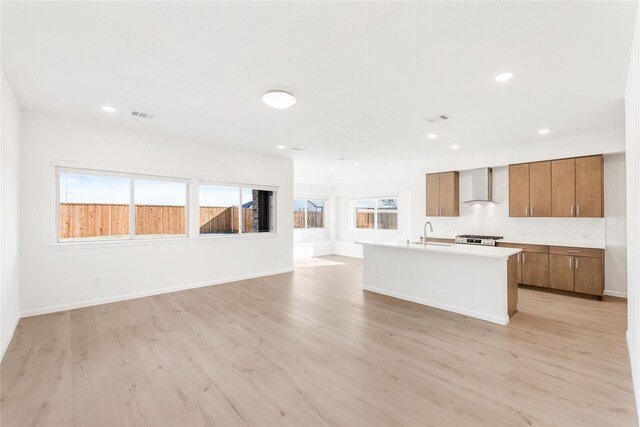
424	234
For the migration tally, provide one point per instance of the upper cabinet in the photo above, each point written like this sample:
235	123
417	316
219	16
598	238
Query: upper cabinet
530	189
559	188
443	194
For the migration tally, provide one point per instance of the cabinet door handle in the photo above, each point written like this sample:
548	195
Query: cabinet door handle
531	210
523	258
526	211
572	210
571	262
577	263
573	251
518	257
577	210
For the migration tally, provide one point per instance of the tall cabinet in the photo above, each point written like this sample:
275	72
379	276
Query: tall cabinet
443	194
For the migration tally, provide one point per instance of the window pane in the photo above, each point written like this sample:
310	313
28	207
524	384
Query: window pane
364	213
388	214
93	206
219	209
258	211
298	213
160	207
315	214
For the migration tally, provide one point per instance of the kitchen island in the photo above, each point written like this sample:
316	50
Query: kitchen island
475	281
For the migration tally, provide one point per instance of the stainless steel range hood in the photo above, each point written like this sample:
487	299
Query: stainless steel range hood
481	185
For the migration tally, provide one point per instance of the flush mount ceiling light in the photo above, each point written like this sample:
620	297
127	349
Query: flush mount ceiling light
544	131
356	164
331	168
455	147
108	108
432	136
278	99
503	77
281	147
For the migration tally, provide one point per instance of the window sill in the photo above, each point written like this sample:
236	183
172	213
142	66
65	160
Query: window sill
244	236
119	243
79	245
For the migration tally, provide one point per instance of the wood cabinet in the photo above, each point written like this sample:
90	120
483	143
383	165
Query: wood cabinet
577	270
443	194
559	188
561	272
561	268
530	190
535	269
563	188
590	187
519	190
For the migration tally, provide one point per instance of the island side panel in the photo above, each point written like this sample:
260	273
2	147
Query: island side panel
474	286
512	285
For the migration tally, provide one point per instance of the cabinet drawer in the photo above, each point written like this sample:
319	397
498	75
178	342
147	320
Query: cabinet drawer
536	249
569	251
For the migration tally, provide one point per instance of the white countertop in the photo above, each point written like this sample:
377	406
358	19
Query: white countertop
475	250
593	244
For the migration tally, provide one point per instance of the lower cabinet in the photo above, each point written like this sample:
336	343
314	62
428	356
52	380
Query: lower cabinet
579	270
535	269
576	270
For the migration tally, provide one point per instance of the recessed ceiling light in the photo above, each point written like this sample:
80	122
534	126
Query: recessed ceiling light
108	108
544	131
281	147
278	99
503	77
432	136
331	168
455	147
356	164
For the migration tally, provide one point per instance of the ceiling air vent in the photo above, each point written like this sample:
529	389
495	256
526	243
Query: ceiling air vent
142	115
438	118
297	149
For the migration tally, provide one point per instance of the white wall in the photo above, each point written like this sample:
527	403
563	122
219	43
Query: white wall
615	208
632	124
312	242
9	215
56	276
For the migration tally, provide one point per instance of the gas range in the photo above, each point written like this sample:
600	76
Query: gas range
472	239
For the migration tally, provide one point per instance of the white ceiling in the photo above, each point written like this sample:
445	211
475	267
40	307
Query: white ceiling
365	74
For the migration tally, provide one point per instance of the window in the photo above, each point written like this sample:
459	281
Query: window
236	210
95	205
376	213
308	213
160	207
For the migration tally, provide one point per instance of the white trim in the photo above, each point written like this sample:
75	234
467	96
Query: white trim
135	295
13	331
617	294
463	311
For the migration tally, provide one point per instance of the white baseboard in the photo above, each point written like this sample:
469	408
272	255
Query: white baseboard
5	346
615	293
134	295
465	312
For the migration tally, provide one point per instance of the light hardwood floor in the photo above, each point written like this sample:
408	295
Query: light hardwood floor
311	348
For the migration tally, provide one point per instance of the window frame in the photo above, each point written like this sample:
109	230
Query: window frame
306	200
240	233
132	206
375	199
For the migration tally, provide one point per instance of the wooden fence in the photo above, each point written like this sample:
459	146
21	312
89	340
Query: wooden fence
78	220
314	219
386	220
